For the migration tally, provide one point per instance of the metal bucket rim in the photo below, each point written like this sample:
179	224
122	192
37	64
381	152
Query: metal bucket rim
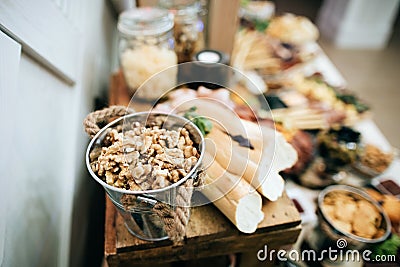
363	194
153	191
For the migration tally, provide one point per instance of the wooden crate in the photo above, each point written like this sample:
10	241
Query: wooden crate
209	232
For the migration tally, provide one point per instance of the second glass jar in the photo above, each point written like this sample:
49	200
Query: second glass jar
188	28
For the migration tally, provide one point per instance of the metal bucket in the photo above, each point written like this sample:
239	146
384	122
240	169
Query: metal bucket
140	218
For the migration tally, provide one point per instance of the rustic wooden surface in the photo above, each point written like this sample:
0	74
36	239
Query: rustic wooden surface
209	232
142	3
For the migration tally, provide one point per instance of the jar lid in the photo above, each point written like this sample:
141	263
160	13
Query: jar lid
210	56
145	21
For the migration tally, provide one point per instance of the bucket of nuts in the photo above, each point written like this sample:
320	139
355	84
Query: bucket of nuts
148	164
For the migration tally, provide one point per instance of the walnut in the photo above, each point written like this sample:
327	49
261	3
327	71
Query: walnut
142	157
146	185
175	176
114	148
160	182
137	172
134	186
186	135
168	166
112	137
172	139
188	152
157	161
119	183
138	142
157	148
161	157
189	163
132	158
181	142
148	141
141	180
125	173
174	156
110	177
94	166
128	149
161	172
119	158
182	172
95	153
194	152
147	169
162	142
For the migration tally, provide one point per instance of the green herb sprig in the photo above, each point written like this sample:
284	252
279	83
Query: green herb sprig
204	124
389	247
261	25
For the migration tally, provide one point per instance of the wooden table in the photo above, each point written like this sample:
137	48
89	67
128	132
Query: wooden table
209	232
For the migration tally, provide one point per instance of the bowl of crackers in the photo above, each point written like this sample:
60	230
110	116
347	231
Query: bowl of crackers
349	213
372	160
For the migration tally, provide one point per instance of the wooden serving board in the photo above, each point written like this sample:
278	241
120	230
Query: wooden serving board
209	232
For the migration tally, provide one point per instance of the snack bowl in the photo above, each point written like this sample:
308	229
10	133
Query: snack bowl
372	161
338	146
350	214
137	206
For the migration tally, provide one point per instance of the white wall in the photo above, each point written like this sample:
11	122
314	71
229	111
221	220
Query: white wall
361	24
42	166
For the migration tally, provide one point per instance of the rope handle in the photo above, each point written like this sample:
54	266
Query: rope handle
175	220
92	121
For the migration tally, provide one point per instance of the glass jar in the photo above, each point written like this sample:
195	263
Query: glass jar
146	47
188	29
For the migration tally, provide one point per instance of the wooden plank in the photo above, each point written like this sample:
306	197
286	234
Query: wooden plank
223	24
110	235
208	223
112	95
122	95
197	250
279	213
141	3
